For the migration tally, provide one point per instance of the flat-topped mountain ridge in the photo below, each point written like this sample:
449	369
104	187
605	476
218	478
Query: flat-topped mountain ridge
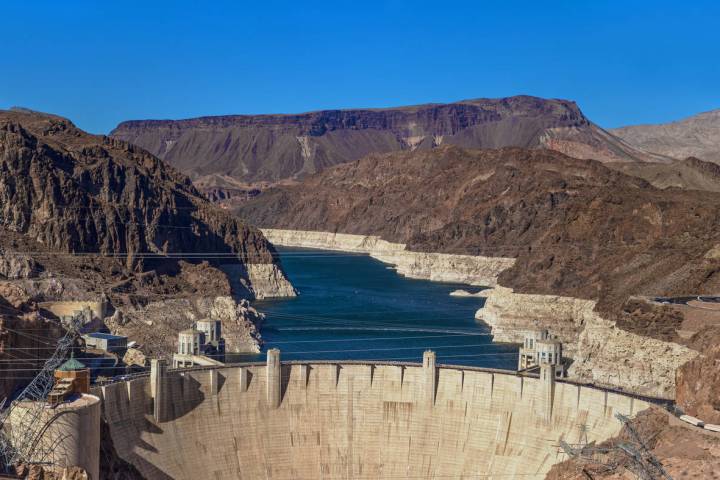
255	148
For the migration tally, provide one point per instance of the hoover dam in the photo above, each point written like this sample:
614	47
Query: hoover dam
353	420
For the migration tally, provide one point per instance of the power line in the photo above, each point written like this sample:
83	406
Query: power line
433	347
376	339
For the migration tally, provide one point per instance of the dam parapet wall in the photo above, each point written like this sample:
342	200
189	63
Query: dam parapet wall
358	420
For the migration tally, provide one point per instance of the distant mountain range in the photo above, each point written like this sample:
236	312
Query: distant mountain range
696	136
232	151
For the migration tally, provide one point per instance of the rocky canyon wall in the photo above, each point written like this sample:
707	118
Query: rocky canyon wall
602	353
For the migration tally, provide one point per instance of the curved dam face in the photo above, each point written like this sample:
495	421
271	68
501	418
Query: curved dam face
352	421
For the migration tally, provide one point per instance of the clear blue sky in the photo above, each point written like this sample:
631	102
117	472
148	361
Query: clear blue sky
99	63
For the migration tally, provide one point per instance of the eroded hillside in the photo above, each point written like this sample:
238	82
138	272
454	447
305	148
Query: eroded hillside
695	136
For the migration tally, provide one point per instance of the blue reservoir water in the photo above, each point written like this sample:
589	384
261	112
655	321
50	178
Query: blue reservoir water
352	306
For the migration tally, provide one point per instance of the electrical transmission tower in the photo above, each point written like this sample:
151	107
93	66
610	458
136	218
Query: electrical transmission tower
643	462
21	439
649	467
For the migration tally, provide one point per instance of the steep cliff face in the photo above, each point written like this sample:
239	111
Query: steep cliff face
603	353
698	381
274	147
81	194
511	314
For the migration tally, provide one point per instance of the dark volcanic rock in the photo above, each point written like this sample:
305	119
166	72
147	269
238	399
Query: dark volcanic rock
79	193
88	217
690	173
698	381
274	147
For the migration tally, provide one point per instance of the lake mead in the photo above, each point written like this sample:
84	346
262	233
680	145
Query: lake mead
351	306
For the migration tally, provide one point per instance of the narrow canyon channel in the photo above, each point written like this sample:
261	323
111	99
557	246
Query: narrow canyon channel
352	306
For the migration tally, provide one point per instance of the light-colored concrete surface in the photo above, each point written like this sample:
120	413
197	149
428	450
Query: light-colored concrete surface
360	421
70	437
62	309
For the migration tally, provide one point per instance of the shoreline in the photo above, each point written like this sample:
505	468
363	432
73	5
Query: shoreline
601	353
439	267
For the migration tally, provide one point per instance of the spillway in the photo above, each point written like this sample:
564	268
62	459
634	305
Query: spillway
353	420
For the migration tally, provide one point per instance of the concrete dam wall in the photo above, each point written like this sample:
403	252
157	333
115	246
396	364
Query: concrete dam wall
352	421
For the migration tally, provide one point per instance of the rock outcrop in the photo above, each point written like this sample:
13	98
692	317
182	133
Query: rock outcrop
602	353
510	315
25	337
81	194
275	147
698	381
608	355
155	325
14	266
684	452
240	323
259	280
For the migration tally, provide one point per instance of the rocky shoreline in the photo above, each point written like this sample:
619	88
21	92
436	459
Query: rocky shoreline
602	353
438	267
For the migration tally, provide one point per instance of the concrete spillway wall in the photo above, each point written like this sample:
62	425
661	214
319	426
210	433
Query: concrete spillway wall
352	421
